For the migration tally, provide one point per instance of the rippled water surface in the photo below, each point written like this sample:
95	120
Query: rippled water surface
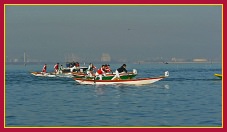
190	96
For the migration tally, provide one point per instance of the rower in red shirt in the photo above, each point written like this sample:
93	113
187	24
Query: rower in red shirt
100	72
44	70
56	67
107	68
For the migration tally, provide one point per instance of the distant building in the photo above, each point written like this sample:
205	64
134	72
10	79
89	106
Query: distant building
199	60
16	60
178	60
105	57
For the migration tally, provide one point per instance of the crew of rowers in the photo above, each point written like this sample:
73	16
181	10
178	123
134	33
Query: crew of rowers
57	69
106	69
90	71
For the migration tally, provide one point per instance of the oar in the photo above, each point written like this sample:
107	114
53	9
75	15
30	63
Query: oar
94	79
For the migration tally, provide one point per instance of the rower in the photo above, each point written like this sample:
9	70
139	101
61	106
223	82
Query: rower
100	72
120	70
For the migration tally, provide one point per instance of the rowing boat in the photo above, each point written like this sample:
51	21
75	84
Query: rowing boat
218	75
139	81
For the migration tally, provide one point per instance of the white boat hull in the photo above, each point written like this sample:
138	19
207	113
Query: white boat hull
140	81
40	74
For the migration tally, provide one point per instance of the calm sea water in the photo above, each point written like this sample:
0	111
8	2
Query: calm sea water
190	96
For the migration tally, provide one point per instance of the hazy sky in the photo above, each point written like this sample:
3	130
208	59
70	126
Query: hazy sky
128	32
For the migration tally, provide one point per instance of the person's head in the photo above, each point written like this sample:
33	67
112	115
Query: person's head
124	65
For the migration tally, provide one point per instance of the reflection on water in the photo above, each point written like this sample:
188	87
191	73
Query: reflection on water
99	90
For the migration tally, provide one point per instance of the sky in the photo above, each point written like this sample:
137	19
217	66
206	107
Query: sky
53	33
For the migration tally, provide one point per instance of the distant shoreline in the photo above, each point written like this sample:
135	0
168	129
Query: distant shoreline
82	63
